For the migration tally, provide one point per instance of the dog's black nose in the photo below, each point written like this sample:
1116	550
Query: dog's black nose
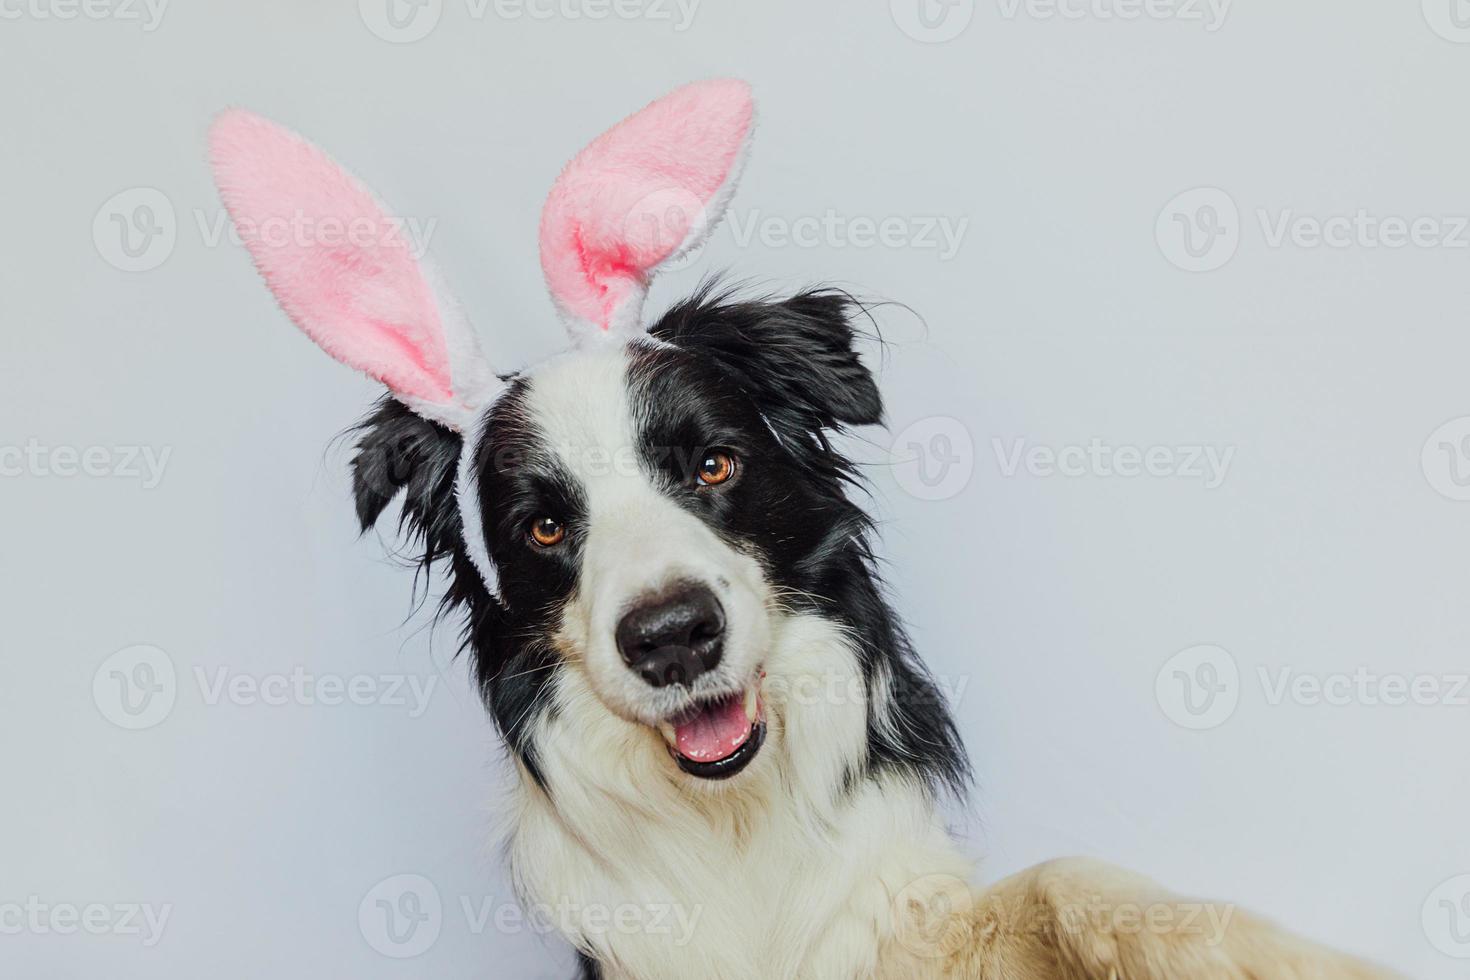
674	637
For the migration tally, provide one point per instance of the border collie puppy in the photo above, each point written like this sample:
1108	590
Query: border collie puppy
670	599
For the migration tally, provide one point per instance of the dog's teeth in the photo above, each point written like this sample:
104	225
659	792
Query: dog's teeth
752	703
667	731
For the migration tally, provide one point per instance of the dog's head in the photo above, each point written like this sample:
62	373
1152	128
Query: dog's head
650	532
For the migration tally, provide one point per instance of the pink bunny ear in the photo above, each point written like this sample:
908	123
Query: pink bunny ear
343	271
643	193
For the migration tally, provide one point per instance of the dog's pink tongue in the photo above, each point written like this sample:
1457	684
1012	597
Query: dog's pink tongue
715	732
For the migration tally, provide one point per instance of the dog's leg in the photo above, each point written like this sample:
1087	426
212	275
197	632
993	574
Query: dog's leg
1078	919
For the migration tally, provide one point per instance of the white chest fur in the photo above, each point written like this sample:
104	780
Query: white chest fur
778	874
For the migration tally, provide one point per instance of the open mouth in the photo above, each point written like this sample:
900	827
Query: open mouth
718	738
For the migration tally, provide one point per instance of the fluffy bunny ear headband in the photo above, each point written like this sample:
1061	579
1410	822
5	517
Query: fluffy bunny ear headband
642	194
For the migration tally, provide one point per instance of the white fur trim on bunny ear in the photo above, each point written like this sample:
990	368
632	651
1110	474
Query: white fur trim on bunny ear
641	195
340	267
467	497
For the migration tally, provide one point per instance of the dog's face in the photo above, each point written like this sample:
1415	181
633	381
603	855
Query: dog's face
648	517
621	488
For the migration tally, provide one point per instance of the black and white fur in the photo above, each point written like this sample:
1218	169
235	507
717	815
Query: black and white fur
794	861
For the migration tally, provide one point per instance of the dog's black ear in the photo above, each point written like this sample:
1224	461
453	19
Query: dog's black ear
399	451
795	356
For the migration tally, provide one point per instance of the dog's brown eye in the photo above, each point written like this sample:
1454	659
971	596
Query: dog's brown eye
717	467
547	531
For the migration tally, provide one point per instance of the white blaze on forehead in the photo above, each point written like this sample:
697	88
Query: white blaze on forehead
635	533
579	402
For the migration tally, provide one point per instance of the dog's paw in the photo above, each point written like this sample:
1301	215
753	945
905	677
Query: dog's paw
1080	919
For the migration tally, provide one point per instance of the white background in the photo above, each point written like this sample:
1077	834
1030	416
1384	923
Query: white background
1049	603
